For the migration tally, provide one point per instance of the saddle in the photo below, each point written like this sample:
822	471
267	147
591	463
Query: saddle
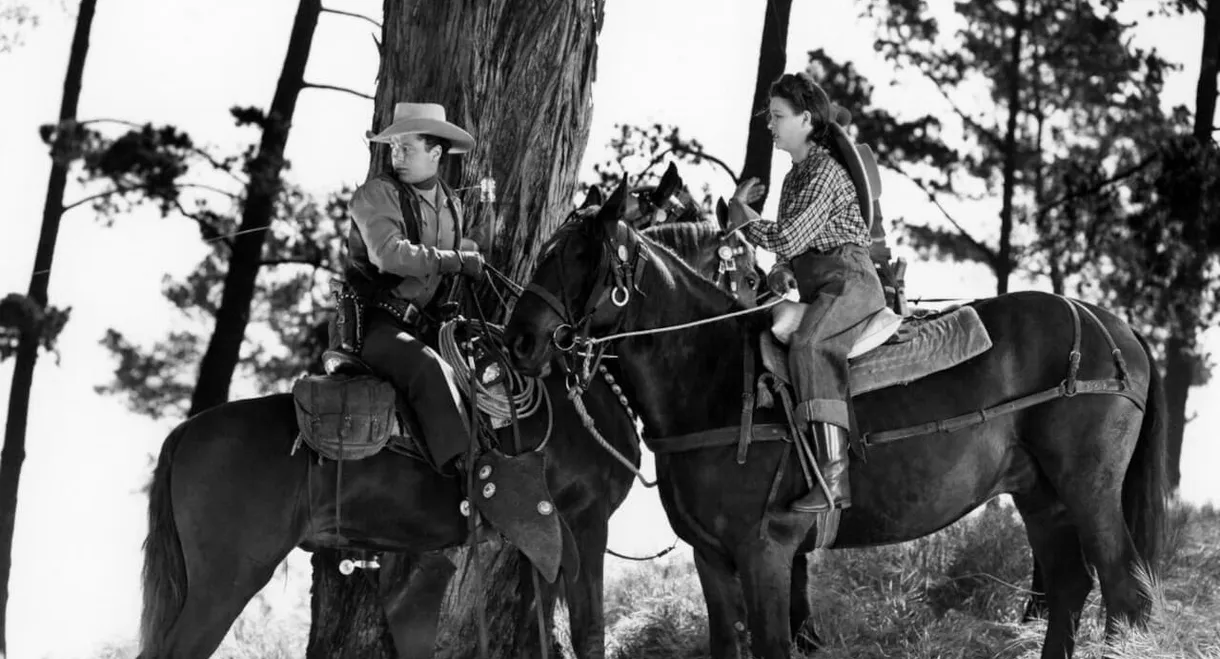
351	414
891	350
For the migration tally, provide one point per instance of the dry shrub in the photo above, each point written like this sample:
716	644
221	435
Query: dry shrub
656	611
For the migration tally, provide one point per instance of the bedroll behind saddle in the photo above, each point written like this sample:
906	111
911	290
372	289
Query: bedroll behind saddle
345	417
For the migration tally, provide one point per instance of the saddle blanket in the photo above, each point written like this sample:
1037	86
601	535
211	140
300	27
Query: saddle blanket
923	345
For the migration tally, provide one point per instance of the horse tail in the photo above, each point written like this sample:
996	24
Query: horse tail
164	567
1145	488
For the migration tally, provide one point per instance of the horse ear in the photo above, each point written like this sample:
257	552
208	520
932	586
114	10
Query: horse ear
670	183
593	197
612	210
722	213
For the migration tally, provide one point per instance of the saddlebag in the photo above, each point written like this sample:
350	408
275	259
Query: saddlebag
345	418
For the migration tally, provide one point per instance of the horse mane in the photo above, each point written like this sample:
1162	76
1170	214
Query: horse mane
684	239
687	236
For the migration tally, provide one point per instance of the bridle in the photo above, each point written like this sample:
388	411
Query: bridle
615	281
617	278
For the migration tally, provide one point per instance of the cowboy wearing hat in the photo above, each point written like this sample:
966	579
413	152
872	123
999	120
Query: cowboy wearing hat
403	250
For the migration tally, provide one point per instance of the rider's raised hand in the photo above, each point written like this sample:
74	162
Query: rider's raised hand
749	191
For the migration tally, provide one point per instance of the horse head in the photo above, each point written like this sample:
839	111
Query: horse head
668	213
586	274
589	274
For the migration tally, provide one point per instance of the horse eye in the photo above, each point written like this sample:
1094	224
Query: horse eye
751	282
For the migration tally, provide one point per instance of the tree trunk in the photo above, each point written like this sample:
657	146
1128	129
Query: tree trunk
1004	260
1205	92
772	58
348	622
518	75
13	454
1179	372
224	349
1180	359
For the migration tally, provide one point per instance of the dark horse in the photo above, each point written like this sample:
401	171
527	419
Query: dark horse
228	502
1086	471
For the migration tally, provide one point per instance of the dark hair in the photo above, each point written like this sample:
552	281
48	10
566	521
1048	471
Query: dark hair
432	140
805	95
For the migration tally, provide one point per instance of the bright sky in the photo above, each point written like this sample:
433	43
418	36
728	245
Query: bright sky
687	62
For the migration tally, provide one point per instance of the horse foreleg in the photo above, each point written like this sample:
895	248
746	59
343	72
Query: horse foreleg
725	603
584	592
766	580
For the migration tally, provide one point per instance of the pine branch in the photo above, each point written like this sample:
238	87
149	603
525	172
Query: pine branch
698	153
991	255
193	149
210	232
1094	189
970	121
353	92
135	188
315	262
362	17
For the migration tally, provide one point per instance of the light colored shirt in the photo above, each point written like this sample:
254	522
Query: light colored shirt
376	211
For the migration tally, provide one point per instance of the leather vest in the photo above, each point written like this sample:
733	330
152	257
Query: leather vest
366	279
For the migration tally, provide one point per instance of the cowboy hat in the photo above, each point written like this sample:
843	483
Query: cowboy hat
424	119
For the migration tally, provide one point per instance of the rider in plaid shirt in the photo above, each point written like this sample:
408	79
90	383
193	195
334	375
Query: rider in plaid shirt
821	241
818	209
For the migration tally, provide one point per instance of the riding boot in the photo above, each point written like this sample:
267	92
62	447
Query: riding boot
831	442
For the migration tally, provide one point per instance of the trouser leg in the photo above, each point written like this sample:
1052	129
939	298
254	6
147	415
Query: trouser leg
842	291
424	380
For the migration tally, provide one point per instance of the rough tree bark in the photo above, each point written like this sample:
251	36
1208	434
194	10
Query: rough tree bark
518	75
245	261
1180	357
1004	259
13	454
348	622
772	58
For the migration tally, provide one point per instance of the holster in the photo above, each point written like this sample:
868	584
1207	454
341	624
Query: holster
348	334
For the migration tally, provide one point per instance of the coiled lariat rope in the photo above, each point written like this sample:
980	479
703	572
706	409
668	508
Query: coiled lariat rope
496	400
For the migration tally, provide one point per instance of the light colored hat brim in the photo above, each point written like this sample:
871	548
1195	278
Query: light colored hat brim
460	141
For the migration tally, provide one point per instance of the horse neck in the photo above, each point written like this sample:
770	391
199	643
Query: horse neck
680	380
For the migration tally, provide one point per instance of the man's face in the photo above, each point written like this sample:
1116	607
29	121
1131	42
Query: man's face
412	159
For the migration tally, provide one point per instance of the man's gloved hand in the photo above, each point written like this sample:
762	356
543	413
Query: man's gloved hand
781	280
471	264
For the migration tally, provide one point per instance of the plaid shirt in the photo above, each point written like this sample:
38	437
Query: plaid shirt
818	210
